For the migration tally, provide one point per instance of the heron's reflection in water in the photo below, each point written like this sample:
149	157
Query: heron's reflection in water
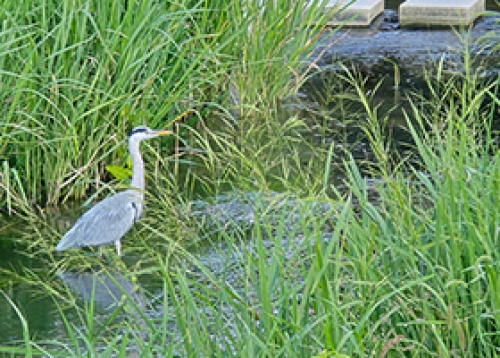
113	293
109	291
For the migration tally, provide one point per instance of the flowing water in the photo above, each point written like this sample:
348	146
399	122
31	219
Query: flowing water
40	311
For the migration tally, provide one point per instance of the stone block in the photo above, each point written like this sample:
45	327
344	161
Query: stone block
355	13
419	13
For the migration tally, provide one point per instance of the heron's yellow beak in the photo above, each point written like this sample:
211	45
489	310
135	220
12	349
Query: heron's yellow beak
163	132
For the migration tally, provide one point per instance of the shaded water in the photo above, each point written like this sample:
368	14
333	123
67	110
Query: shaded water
25	274
29	304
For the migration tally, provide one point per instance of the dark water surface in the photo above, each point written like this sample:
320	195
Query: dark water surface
23	274
27	302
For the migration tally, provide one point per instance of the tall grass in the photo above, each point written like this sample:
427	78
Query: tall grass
274	49
77	75
74	74
409	268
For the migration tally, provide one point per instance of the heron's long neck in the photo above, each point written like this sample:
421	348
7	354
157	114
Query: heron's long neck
137	165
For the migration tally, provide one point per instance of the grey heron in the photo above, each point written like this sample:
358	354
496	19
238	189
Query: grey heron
109	220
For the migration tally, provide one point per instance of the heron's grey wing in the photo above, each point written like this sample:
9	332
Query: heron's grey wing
105	223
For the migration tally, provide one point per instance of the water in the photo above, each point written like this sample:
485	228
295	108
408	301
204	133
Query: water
25	274
26	299
73	290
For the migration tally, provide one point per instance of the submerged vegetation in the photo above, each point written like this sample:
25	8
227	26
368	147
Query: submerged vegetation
313	254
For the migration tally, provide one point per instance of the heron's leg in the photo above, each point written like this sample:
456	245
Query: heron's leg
118	247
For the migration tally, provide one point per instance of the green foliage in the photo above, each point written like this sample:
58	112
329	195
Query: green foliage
119	172
407	263
78	75
401	261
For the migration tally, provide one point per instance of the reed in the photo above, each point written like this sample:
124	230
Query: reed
77	75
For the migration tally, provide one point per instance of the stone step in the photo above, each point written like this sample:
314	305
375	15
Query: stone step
418	13
359	13
412	13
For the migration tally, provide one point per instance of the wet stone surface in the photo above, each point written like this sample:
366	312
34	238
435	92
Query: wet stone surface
243	209
281	217
287	224
410	49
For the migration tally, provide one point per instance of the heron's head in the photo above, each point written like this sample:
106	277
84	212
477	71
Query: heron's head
143	132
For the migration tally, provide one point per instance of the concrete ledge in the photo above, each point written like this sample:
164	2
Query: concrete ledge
415	13
359	13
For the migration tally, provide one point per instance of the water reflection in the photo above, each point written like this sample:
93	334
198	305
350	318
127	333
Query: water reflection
106	289
39	313
29	283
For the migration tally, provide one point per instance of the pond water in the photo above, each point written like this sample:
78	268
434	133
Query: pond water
40	311
24	273
104	281
12	260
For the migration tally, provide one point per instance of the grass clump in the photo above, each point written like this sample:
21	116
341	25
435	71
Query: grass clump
78	75
88	72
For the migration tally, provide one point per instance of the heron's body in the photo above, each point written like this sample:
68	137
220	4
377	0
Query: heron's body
109	220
